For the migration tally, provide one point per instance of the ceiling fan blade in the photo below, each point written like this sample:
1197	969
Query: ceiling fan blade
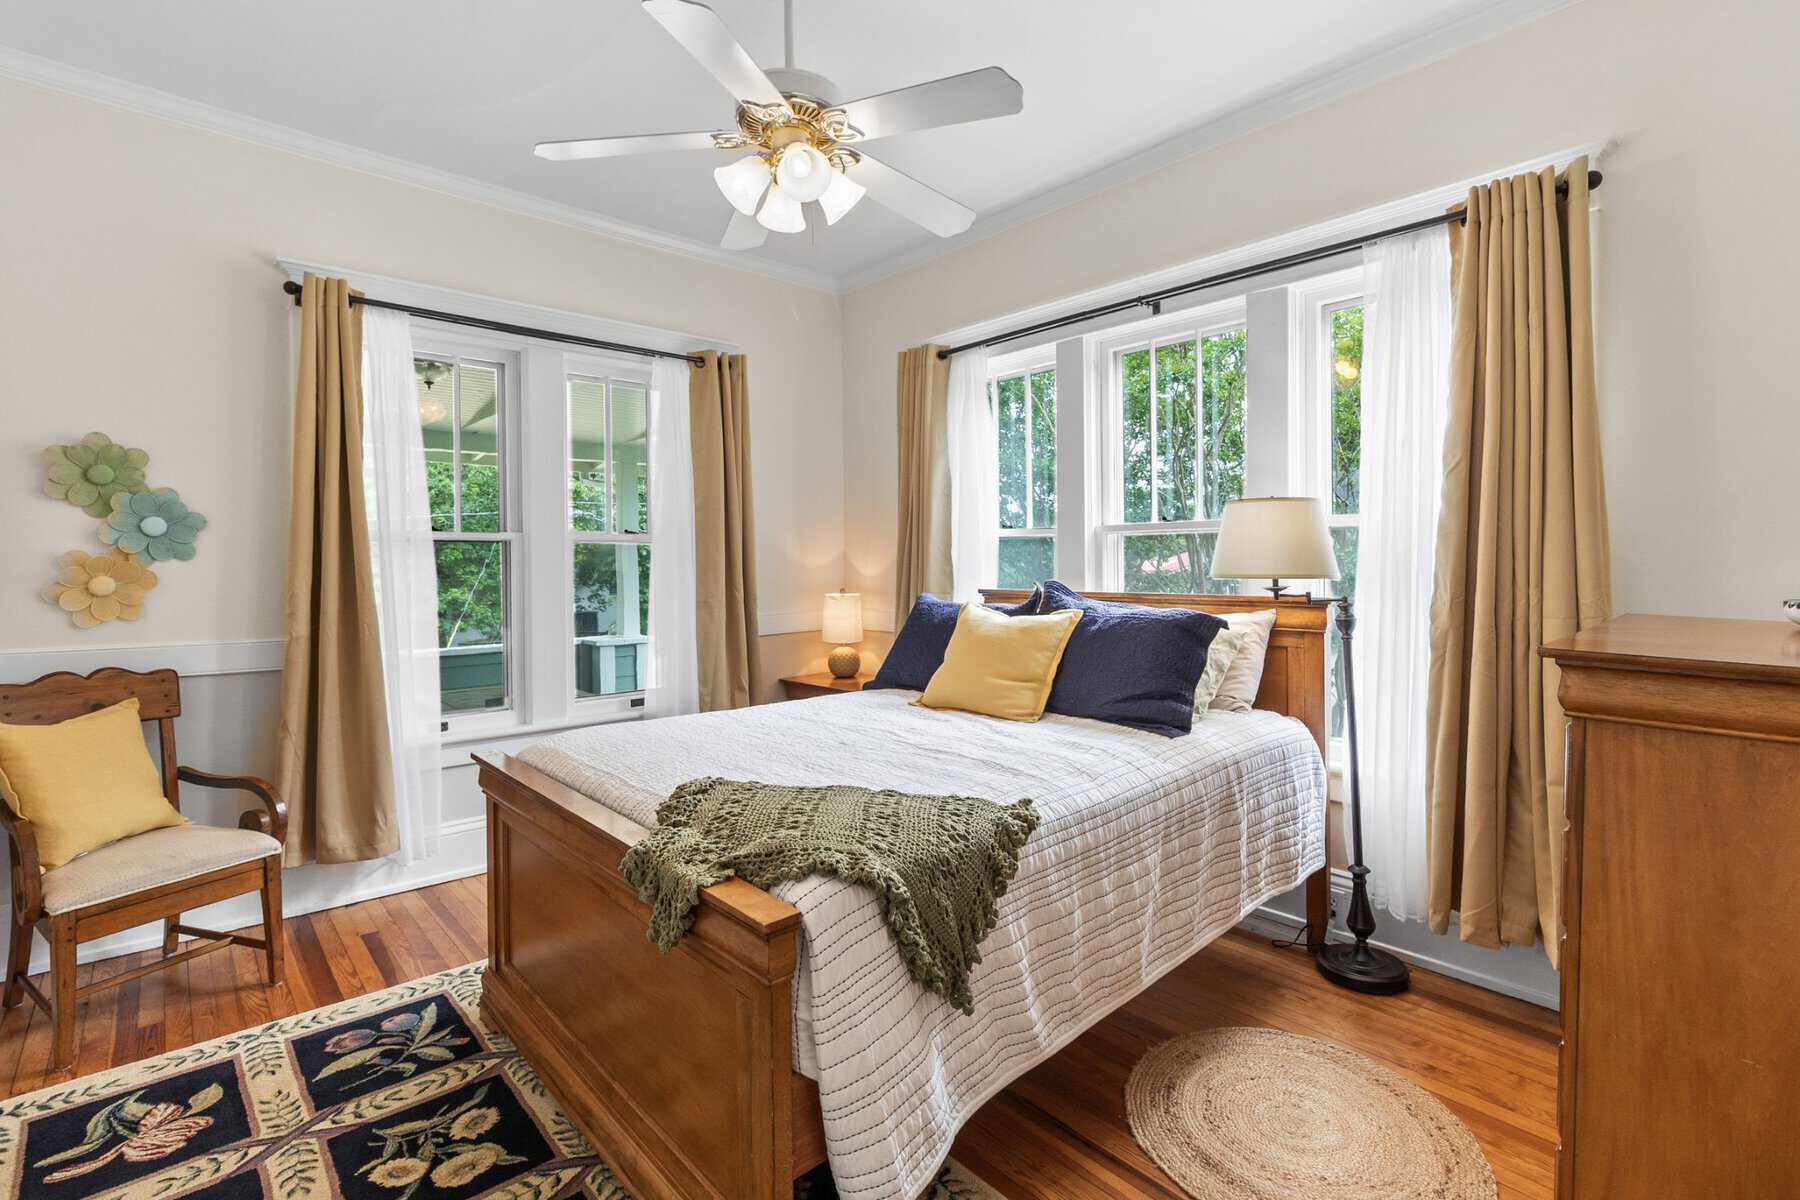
952	100
744	233
911	199
615	147
704	36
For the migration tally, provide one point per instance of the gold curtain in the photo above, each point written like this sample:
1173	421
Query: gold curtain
335	771
1522	555
724	533
922	558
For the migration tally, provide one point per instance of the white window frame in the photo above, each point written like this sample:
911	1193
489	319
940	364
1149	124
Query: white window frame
1309	418
611	370
1024	364
1106	452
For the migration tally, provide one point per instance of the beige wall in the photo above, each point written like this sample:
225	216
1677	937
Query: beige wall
139	296
1698	328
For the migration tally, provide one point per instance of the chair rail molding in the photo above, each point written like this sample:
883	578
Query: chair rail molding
187	658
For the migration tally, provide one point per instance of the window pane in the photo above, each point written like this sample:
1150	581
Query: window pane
1043	450
436	385
1134	380
587	455
1346	409
612	618
1026	561
1173	562
631	457
1343	543
1009	417
1222	410
1177	437
471	578
478	413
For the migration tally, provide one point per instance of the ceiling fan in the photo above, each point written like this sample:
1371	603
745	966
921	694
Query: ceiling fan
802	142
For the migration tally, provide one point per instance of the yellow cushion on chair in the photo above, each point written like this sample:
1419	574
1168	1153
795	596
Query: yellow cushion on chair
1000	666
83	782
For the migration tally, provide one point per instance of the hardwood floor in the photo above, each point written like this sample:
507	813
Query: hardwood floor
1057	1134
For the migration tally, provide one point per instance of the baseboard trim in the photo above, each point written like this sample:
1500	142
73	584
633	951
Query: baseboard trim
462	852
1270	922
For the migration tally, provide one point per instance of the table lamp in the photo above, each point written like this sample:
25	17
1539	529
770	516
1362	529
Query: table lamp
1277	537
843	628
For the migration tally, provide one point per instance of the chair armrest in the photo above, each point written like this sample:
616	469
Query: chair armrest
272	821
27	886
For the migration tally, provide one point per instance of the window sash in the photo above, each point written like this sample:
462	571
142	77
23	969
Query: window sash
1024	375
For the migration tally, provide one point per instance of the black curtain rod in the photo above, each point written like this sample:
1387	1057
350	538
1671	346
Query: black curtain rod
1153	300
293	289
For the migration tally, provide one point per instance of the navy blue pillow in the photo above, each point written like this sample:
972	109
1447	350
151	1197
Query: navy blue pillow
918	649
1130	664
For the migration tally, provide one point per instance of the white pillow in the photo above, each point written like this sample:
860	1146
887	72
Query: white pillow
1219	655
1238	691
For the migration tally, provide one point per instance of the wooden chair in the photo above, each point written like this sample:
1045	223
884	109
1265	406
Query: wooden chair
151	876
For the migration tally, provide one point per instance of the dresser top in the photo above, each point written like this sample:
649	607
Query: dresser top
1687	646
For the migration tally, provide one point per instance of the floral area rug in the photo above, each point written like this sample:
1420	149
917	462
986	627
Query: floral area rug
399	1095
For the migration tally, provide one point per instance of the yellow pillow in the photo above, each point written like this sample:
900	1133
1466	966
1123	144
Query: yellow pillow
83	782
1000	666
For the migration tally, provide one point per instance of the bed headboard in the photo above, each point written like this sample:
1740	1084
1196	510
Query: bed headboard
1293	680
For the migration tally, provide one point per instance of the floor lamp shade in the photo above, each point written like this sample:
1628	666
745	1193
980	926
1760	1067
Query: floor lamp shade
843	628
1274	537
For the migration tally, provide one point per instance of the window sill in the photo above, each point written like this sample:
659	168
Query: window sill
458	746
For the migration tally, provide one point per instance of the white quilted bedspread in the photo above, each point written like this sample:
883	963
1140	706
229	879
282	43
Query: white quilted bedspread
1149	848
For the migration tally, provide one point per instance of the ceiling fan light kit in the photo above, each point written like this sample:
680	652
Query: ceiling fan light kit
800	138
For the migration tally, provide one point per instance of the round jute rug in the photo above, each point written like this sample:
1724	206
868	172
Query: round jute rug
1258	1114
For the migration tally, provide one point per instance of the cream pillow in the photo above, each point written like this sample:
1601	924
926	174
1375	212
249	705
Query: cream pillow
1000	666
1219	657
83	782
1237	692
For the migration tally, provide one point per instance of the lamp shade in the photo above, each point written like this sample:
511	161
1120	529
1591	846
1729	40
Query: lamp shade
1274	537
843	618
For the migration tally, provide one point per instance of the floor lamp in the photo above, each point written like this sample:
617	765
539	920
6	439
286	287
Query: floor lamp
1285	537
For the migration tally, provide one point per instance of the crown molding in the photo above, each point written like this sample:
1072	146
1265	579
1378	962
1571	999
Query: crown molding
1320	87
148	101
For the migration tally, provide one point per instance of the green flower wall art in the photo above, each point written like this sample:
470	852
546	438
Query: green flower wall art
156	524
89	473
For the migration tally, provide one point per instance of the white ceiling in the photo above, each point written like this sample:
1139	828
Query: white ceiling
467	88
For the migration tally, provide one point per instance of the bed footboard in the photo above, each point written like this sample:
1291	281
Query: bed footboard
678	1066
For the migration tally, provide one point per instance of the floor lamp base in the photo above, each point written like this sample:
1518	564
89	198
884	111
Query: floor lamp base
1362	968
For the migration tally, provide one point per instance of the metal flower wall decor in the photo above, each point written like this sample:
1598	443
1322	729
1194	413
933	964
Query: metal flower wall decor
141	523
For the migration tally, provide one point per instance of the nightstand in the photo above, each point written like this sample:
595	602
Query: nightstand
805	687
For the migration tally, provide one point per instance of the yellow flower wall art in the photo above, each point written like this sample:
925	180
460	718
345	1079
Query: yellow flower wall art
96	588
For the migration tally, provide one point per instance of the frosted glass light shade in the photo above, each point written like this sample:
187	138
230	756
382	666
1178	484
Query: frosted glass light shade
1274	537
840	197
843	618
744	182
781	212
803	172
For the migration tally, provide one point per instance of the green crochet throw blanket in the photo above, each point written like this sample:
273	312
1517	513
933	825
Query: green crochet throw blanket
938	864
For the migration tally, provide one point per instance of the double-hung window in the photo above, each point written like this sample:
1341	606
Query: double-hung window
1173	416
1023	397
609	527
465	401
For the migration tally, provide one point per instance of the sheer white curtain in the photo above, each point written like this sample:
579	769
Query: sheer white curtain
405	576
1405	399
974	477
674	685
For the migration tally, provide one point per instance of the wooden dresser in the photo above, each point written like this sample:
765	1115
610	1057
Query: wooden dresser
1680	984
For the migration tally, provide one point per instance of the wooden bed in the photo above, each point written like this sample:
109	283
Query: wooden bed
679	1067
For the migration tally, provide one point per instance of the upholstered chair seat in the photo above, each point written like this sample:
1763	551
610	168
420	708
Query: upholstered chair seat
149	860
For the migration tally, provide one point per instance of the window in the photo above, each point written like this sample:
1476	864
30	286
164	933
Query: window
1341	338
1024	403
609	531
1175	422
461	405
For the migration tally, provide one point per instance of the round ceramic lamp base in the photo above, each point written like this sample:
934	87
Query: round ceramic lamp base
844	662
